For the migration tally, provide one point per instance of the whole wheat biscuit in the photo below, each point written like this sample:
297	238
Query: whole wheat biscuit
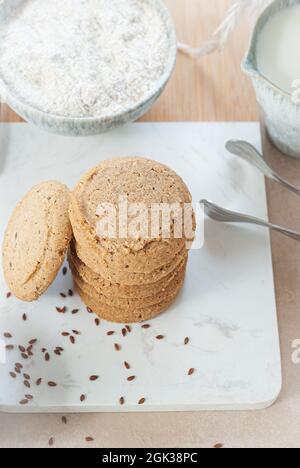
140	181
36	239
114	314
121	290
152	256
130	303
126	277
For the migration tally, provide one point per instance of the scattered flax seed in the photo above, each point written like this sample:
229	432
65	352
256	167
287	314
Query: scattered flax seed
76	332
146	325
13	375
18	365
82	398
30	353
44	350
9	347
24	402
122	401
51	442
38	382
17	370
26	383
124	331
117	347
142	401
57	352
94	377
70	292
75	311
127	365
47	357
186	341
89	439
218	446
22	349
131	378
65	271
97	322
109	333
29	348
191	371
52	384
8	295
64	420
63	295
26	376
128	328
29	397
33	341
7	335
24	356
89	310
24	317
72	339
65	334
61	310
160	337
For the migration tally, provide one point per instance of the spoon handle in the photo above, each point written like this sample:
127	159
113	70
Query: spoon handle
249	153
223	215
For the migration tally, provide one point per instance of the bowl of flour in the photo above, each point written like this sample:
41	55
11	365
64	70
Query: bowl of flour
83	67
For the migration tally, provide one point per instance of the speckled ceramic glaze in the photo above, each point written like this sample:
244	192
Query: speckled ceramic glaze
92	125
282	115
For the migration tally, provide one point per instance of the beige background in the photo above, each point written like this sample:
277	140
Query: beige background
211	89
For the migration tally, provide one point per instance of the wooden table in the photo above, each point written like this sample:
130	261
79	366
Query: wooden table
208	90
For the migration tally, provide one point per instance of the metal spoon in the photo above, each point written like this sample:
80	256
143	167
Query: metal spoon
217	213
248	153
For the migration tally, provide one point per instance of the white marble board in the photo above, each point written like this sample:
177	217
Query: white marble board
227	307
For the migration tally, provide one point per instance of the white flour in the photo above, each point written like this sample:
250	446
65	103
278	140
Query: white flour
80	58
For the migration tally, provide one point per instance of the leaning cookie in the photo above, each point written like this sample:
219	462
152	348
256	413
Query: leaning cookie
36	239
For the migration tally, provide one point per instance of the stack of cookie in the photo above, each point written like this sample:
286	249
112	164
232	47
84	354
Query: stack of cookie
134	268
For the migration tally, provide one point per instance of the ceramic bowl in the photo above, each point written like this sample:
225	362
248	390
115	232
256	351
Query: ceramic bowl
92	125
281	113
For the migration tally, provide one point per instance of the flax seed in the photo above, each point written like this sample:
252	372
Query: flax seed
52	384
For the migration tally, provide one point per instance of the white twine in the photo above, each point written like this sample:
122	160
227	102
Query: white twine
232	18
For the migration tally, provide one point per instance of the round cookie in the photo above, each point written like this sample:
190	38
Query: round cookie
36	239
141	181
121	290
149	258
126	277
114	314
130	303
